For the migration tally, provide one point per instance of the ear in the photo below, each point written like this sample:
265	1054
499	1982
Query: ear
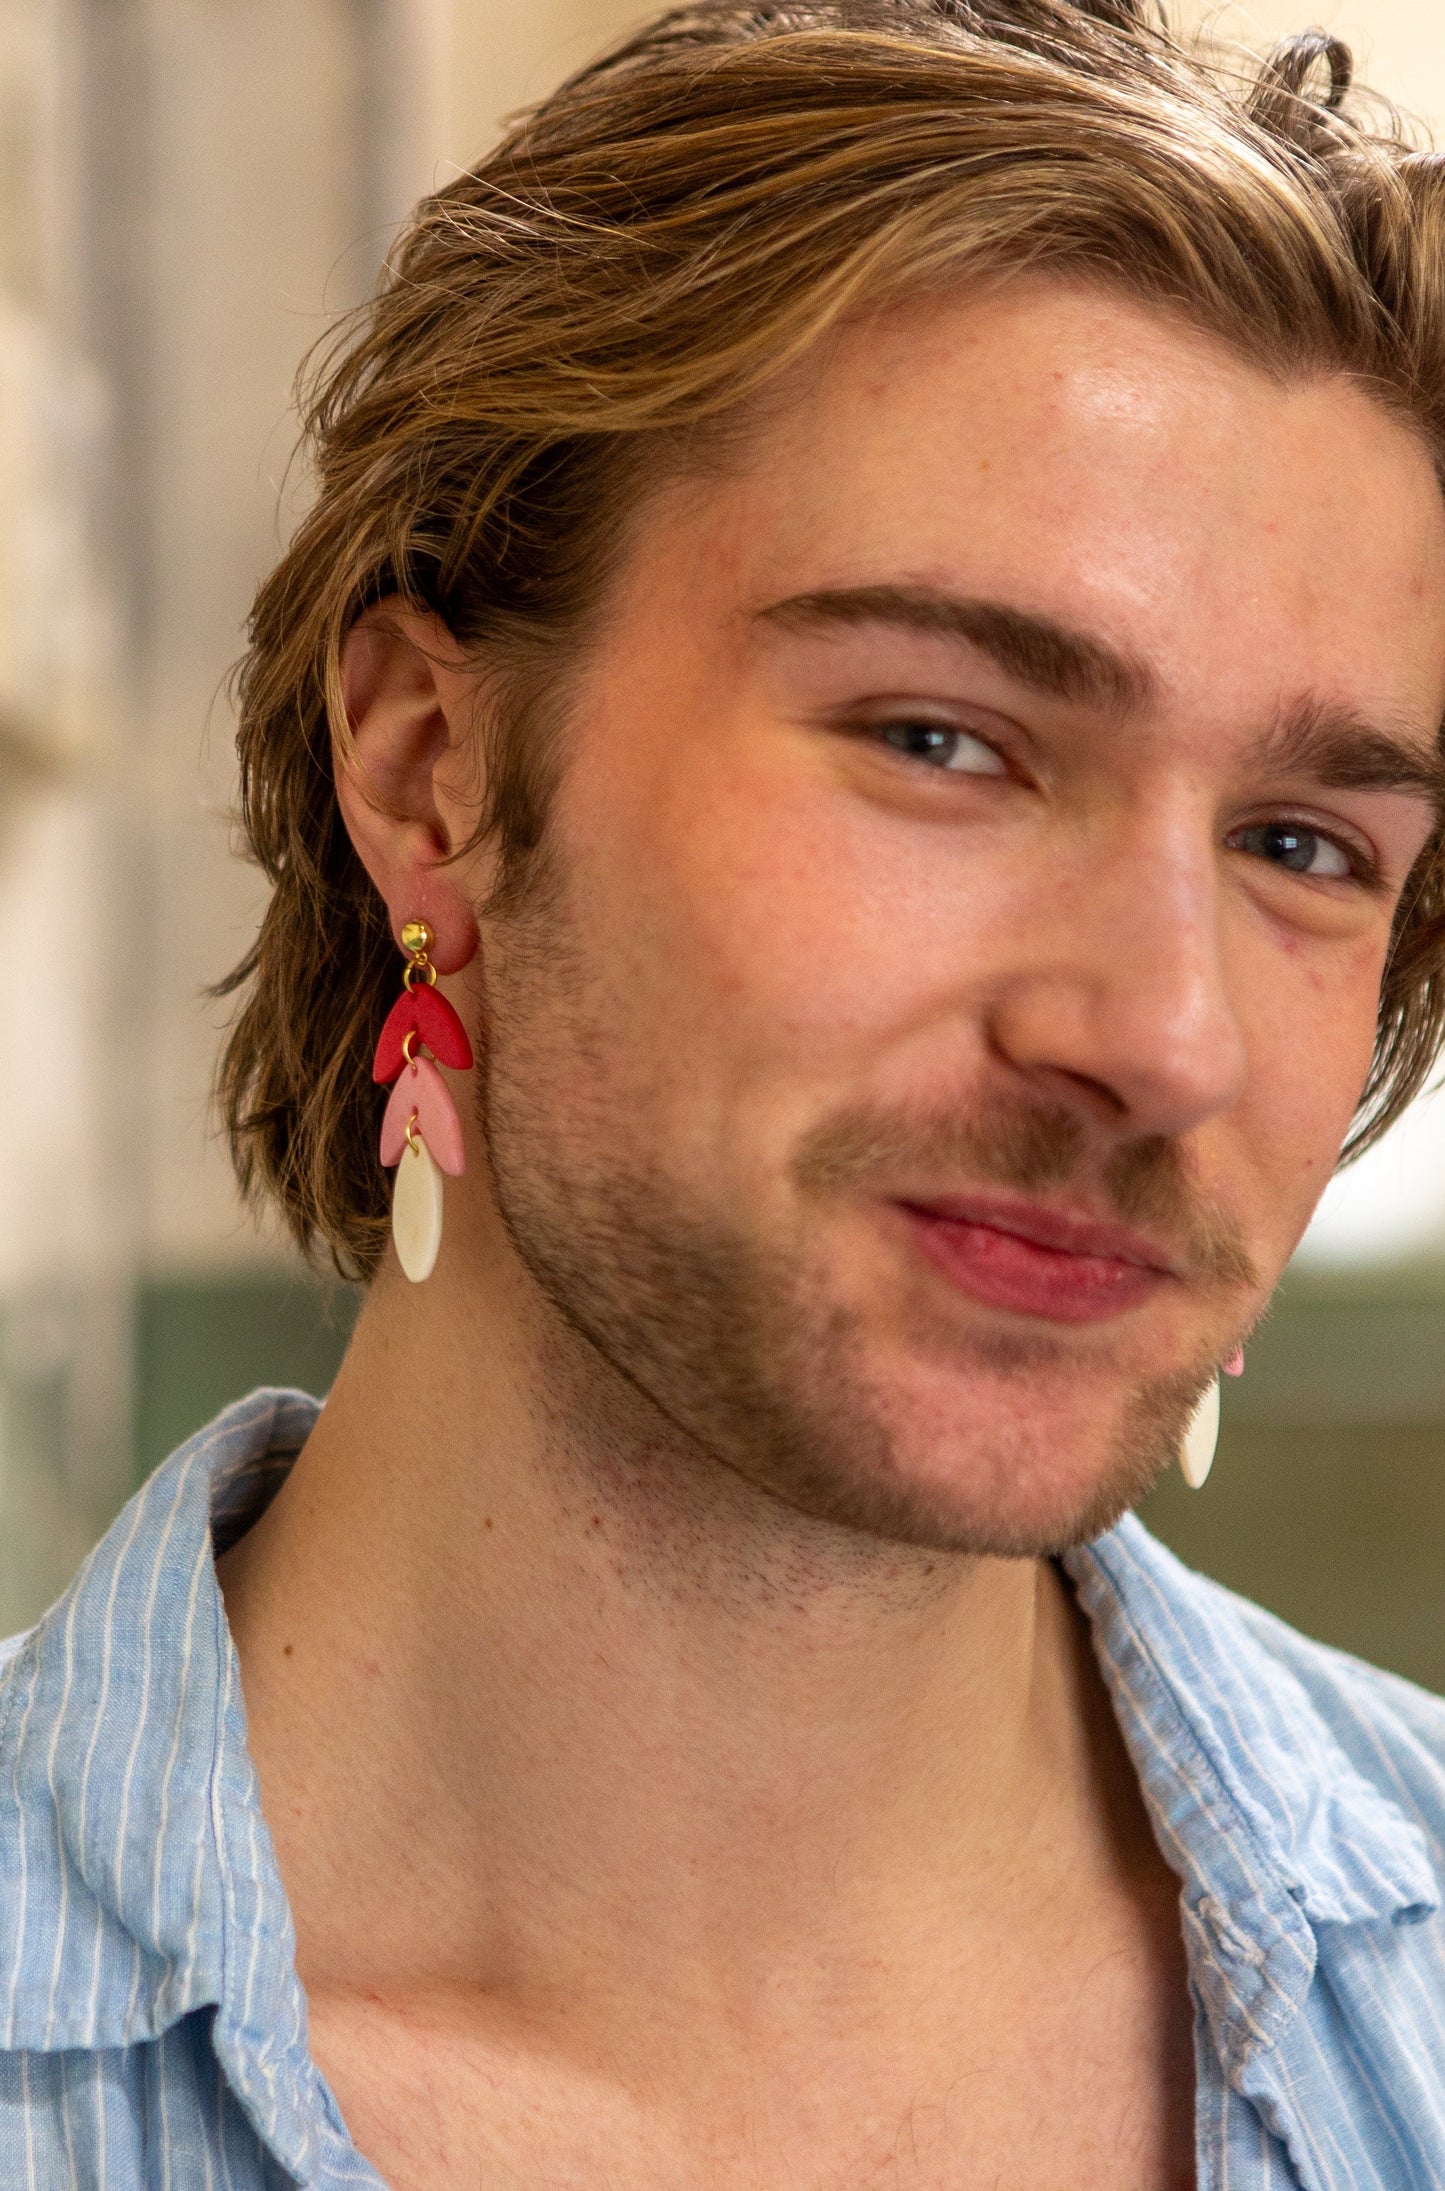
410	700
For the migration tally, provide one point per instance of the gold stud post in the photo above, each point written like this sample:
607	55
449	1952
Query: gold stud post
417	938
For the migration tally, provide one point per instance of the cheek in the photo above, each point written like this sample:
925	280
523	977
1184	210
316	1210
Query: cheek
1310	1022
774	927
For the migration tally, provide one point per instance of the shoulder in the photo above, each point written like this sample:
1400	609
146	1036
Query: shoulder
1392	1732
1224	1653
13	1661
1329	1774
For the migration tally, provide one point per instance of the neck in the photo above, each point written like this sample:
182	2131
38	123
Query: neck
536	1688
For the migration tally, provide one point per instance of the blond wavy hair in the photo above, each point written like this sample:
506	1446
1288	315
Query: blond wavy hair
645	252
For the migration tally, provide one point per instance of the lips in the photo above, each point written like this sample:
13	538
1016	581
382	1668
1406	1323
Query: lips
1037	1261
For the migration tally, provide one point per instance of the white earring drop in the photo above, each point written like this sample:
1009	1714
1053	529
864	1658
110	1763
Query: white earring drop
416	1210
1196	1451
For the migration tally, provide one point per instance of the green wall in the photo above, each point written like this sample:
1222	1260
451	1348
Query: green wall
201	1342
1327	1501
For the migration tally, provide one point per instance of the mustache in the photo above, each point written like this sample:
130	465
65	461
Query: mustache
1035	1148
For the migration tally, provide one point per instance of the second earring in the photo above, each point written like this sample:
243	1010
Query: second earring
1196	1451
421	1134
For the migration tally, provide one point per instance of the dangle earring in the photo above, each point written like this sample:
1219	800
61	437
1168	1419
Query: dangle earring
1196	1451
421	1134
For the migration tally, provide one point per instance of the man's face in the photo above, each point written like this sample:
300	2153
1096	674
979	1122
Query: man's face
969	885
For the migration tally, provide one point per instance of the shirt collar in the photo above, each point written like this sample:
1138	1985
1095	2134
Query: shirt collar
1271	1828
142	1880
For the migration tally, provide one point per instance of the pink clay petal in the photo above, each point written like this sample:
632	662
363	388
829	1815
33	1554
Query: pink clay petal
439	1125
399	1106
422	1090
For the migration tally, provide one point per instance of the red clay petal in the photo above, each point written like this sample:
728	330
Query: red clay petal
426	1011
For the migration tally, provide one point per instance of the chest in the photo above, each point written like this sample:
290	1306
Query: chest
1089	2087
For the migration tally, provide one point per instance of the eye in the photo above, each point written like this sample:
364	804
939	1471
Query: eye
1292	846
942	747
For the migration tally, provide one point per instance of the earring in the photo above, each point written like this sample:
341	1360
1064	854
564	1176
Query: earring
1196	1449
421	1134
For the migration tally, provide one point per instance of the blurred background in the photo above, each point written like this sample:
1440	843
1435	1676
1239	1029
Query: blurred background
189	191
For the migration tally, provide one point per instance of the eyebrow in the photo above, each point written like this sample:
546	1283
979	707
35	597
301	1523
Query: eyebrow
1049	657
1334	744
1342	750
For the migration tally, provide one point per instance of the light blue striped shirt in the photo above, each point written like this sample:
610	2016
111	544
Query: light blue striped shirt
153	2029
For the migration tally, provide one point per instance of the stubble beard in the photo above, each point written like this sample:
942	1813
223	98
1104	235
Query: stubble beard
740	1346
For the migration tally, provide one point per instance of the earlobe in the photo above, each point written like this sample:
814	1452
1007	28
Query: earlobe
402	678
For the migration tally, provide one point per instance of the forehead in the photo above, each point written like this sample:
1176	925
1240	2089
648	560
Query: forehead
1095	460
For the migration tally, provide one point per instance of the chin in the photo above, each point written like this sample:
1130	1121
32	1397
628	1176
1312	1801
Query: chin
1007	1465
1019	1486
1035	1513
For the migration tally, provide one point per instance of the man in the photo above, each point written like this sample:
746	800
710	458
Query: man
875	607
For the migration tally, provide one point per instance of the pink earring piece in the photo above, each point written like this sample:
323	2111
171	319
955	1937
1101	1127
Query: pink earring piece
421	1104
421	1134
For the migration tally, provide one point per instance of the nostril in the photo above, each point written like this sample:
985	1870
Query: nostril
1155	1047
1098	1092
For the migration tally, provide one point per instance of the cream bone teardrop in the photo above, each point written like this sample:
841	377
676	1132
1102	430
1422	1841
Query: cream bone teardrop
416	1210
1196	1452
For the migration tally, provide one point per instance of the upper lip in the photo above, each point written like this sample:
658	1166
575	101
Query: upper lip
1066	1231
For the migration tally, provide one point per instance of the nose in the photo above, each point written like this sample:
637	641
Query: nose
1119	993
